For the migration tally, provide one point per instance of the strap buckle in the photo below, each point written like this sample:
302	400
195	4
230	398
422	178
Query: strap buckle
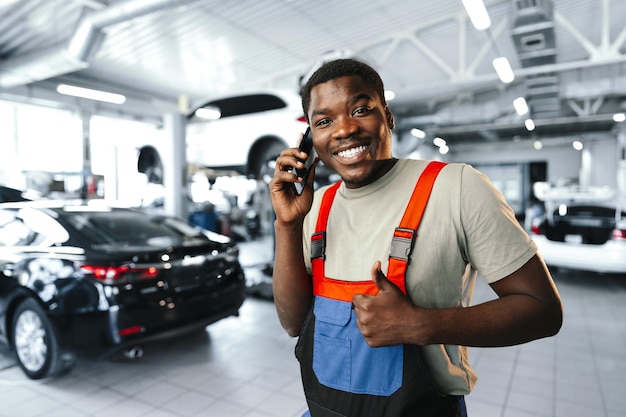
318	245
402	243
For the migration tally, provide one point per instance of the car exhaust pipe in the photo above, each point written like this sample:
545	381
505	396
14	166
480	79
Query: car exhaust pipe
134	352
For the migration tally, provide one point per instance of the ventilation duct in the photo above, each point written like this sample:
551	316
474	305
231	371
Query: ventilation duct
543	95
533	36
83	46
533	32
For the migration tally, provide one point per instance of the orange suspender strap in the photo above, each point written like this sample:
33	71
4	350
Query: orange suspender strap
328	287
404	236
318	240
401	246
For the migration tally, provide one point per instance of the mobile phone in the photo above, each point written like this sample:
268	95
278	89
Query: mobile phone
307	146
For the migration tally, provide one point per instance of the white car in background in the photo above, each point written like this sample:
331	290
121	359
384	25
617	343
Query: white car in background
583	228
243	133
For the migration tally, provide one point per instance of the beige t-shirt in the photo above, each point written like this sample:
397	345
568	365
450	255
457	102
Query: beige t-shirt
467	227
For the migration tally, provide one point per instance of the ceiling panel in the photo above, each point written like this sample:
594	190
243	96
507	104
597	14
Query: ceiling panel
156	51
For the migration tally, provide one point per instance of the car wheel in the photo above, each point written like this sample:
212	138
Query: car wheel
35	341
264	162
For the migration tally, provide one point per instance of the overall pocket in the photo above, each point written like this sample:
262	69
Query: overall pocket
343	360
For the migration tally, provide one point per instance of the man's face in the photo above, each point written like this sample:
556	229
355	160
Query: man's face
351	129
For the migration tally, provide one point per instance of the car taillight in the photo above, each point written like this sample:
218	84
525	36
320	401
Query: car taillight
534	229
619	234
302	119
130	330
119	274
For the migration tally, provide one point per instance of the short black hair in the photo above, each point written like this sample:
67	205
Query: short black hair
342	68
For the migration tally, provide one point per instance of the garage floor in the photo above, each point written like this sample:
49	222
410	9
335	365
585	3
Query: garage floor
244	366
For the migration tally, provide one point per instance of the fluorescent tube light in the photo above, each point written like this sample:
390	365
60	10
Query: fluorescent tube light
477	13
418	133
521	107
439	142
503	69
208	113
70	90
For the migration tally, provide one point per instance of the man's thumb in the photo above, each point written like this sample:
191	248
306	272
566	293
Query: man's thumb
378	277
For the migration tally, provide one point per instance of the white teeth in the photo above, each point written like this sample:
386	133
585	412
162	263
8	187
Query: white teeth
351	152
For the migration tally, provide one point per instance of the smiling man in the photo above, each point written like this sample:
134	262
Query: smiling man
383	313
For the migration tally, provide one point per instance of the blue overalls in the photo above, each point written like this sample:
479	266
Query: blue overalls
342	375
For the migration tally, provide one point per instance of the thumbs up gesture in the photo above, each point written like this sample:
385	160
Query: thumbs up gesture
387	318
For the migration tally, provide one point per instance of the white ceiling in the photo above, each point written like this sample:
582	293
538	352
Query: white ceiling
165	53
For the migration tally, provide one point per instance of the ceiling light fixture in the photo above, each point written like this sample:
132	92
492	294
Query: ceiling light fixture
389	95
477	13
530	125
537	145
619	117
439	142
578	145
418	133
503	69
209	113
71	90
520	105
479	16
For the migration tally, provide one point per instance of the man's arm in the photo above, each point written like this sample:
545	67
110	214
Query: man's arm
292	286
528	307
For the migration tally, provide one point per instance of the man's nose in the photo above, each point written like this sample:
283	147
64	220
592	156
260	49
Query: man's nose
345	127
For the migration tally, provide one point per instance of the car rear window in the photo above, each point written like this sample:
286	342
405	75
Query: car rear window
590	211
253	103
130	228
592	215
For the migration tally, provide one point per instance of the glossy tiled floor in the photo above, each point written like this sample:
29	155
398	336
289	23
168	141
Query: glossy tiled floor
244	366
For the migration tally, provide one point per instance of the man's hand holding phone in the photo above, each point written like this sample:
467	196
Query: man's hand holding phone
289	199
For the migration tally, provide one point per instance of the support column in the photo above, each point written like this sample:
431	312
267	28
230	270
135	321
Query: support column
10	172
112	176
586	167
621	163
87	178
175	165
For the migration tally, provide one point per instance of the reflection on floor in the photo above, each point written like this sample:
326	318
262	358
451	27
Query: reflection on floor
580	372
244	366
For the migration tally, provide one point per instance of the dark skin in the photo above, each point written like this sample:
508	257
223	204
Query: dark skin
351	128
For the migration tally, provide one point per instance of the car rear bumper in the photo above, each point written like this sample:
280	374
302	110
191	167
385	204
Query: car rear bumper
169	333
607	258
113	330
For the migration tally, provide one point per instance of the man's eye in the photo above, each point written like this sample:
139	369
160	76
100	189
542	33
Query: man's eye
361	110
322	122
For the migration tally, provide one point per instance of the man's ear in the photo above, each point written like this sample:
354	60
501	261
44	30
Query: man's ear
390	121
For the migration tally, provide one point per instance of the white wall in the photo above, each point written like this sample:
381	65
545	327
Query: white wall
114	150
604	162
563	161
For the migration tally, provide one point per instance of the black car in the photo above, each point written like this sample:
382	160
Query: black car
587	236
77	276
